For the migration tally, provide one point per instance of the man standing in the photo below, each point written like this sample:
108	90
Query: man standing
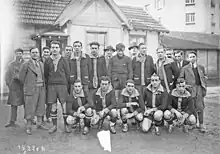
120	69
143	68
57	75
45	54
108	52
68	51
80	66
104	101
195	76
133	49
131	105
78	106
32	77
180	107
180	62
15	97
156	99
98	66
166	69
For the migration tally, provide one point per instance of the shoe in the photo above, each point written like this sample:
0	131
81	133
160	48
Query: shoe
42	127
67	129
85	130
170	129
74	126
34	122
185	129
202	129
53	129
112	129
49	120
28	131
10	124
124	128
157	131
138	125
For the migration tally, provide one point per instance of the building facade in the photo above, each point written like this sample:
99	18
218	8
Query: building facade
187	15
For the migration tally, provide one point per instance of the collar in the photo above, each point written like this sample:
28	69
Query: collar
160	89
177	94
139	57
166	61
92	56
81	94
73	56
99	91
134	94
195	65
55	57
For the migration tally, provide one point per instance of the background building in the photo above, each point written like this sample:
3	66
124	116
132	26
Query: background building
187	15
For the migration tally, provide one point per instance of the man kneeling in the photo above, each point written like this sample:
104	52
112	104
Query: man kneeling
105	103
155	98
180	107
79	109
130	104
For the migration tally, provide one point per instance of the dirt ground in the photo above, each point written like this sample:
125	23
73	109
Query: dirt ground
15	141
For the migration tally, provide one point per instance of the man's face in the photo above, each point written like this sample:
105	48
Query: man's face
46	53
77	87
143	49
35	53
55	49
104	85
18	55
134	51
77	47
181	87
169	54
120	52
155	81
68	51
94	49
130	87
178	57
192	58
160	53
109	53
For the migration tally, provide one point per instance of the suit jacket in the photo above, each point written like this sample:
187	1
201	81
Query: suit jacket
184	63
148	70
28	76
188	74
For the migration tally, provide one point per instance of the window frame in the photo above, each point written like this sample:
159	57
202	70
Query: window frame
136	36
190	16
190	2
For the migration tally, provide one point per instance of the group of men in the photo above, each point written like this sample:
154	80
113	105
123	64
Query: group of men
93	88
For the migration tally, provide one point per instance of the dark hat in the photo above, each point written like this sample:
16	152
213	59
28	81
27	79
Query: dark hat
19	50
130	81
109	48
120	46
133	45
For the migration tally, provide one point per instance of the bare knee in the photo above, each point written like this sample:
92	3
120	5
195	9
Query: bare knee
158	115
54	107
146	125
113	113
89	112
124	111
192	119
167	114
139	117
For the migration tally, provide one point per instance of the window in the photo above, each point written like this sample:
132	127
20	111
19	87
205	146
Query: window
190	2
100	37
159	4
190	18
137	39
212	4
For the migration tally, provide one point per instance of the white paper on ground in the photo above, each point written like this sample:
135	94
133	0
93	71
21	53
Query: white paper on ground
105	140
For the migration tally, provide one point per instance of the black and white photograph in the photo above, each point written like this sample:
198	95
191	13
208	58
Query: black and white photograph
110	76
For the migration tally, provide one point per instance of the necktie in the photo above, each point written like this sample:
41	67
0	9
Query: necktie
36	63
78	69
79	101
142	71
103	100
95	78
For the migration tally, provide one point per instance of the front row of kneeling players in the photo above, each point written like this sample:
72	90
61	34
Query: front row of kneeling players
151	109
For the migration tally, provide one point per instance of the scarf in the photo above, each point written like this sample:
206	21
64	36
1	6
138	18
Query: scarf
95	77
55	61
141	59
78	97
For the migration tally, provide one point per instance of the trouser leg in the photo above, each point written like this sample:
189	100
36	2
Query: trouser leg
13	113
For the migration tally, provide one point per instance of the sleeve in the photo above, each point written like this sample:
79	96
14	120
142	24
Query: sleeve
69	104
8	75
133	66
22	73
130	70
175	71
113	100
190	109
89	103
141	104
164	100
110	68
121	102
89	63
67	73
104	67
153	70
170	102
46	71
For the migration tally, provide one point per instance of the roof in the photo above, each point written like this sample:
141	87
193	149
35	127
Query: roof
205	38
44	12
48	12
184	44
140	19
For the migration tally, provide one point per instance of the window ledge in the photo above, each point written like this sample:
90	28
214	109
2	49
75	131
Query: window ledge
190	23
190	4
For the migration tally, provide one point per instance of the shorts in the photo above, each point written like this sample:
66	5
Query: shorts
57	92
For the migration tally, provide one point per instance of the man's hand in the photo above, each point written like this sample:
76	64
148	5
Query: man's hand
179	115
129	115
81	109
106	110
132	104
81	116
148	112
